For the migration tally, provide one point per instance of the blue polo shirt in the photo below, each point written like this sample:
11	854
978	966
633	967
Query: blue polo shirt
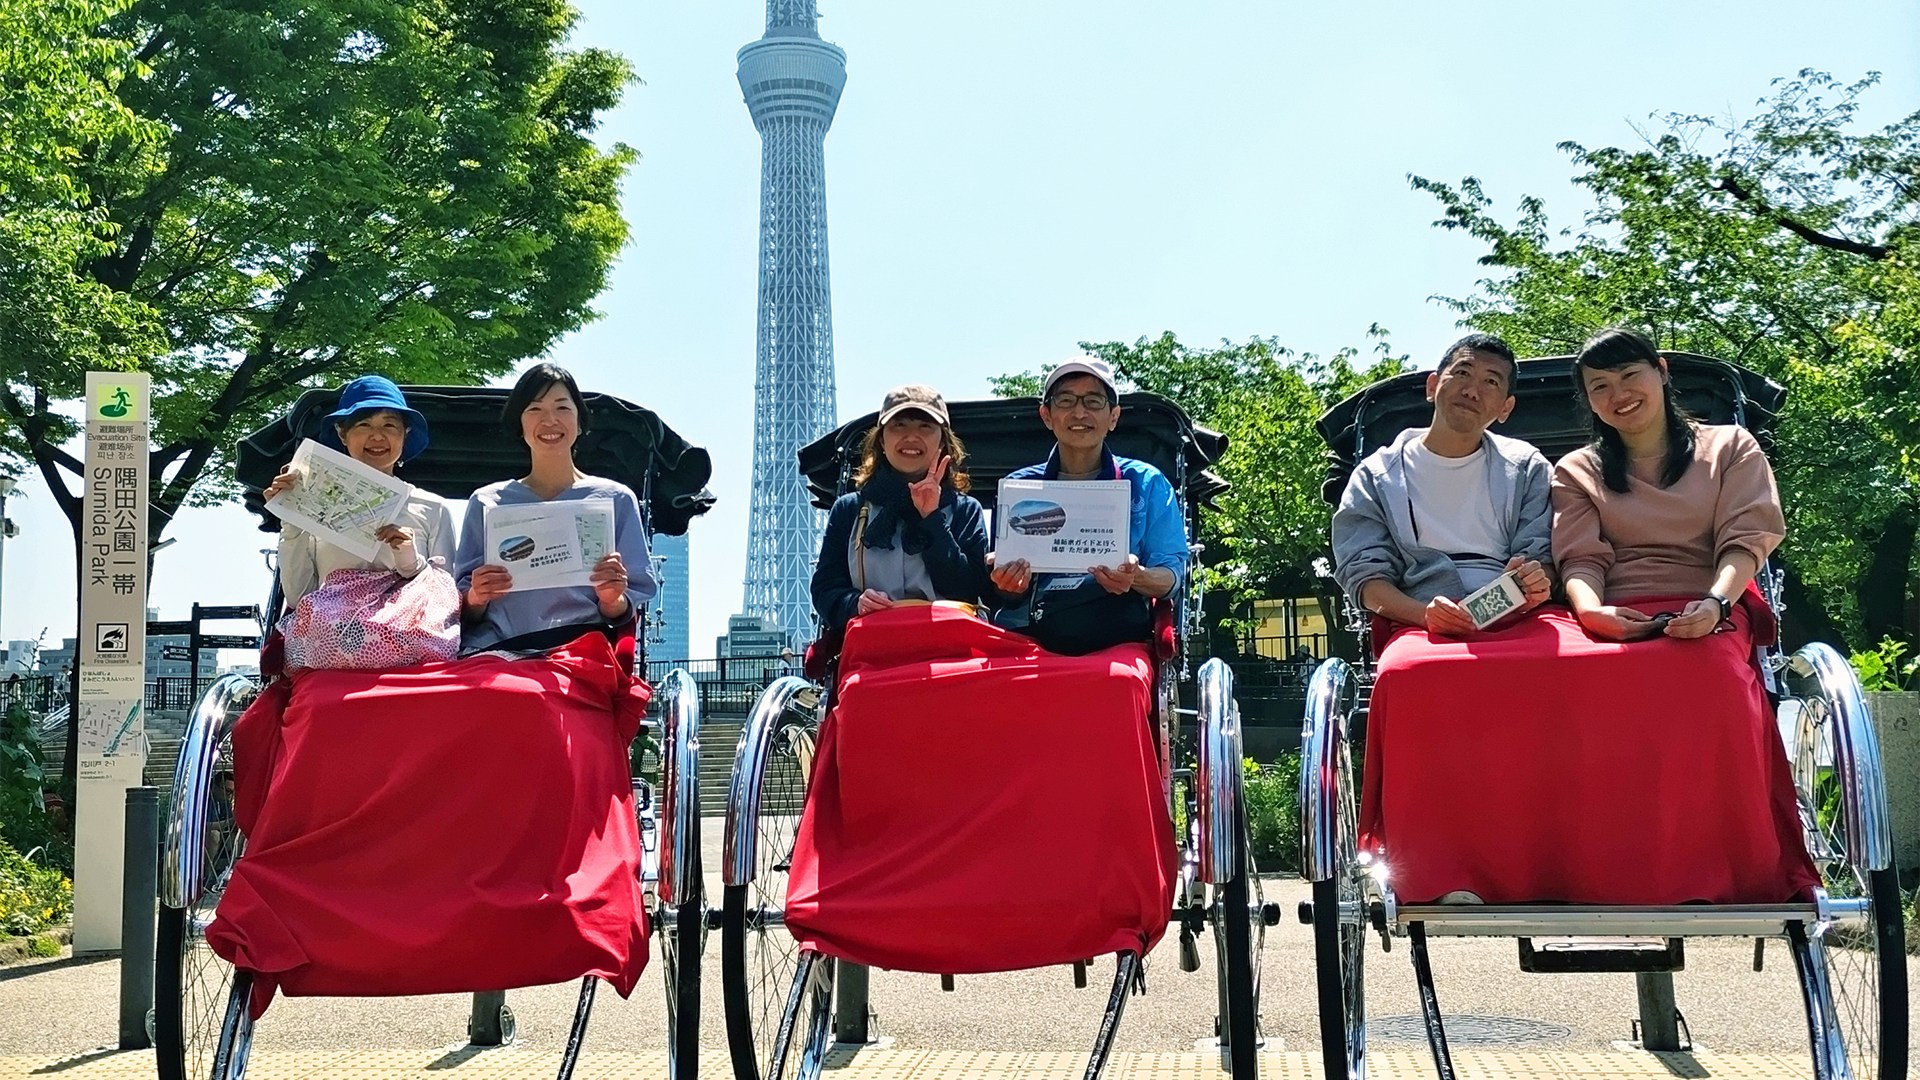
1156	532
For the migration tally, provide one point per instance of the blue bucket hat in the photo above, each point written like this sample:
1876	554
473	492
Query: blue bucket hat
374	393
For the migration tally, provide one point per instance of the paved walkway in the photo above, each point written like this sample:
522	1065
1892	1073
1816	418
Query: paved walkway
512	1064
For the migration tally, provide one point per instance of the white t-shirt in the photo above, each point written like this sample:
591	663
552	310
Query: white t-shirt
1453	511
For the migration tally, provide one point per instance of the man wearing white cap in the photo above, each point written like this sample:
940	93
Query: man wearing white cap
1078	613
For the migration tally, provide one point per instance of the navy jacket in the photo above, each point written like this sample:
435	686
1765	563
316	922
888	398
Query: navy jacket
955	556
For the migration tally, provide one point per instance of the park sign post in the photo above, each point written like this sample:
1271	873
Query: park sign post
113	648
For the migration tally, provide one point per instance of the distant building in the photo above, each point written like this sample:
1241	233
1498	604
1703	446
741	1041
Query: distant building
54	661
752	638
674	602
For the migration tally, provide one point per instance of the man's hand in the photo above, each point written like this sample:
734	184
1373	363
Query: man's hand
1012	578
926	491
285	480
871	601
1446	617
1119	579
489	583
1617	623
1533	581
394	536
609	581
1695	620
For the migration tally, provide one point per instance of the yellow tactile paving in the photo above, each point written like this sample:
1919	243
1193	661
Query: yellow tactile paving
891	1064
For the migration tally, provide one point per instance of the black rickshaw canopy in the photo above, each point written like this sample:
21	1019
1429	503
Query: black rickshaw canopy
622	442
1005	434
1548	414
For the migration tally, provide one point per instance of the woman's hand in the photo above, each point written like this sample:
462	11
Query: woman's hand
1119	579
1445	616
394	536
285	480
871	601
1617	623
489	583
1534	582
1012	578
609	580
1695	620
926	491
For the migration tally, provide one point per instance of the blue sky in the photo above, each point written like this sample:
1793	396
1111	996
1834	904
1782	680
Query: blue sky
1005	179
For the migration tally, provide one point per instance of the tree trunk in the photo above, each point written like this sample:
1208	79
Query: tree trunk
1882	591
1806	619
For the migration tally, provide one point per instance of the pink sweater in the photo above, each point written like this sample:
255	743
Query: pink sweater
1665	542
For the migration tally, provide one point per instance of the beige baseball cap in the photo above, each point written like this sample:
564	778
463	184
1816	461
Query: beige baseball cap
914	396
1086	365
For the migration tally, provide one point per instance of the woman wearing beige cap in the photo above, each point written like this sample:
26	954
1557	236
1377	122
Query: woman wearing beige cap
910	532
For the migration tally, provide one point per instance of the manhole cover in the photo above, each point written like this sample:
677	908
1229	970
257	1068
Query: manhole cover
1470	1030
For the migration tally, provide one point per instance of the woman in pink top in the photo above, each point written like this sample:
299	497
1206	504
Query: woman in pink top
1657	507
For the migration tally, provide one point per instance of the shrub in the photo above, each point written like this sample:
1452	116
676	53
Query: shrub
32	897
1273	812
24	821
1880	668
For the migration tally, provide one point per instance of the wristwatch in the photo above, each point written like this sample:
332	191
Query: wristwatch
1726	605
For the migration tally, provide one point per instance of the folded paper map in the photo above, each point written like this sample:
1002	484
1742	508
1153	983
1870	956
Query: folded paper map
340	500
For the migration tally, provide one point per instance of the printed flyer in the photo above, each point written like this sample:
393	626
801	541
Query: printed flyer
1062	526
550	545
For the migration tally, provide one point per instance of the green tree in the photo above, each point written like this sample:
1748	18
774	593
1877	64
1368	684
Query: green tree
1787	242
399	186
247	199
1265	534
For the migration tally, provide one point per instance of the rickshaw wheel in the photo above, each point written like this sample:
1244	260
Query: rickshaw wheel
1331	861
1226	853
198	850
683	936
1240	933
1835	759
758	957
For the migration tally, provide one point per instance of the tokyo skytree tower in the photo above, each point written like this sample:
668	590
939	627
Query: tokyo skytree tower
792	82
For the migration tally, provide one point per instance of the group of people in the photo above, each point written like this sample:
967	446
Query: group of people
909	532
374	425
1656	506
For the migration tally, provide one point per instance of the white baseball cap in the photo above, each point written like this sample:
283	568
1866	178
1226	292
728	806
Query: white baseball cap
1087	365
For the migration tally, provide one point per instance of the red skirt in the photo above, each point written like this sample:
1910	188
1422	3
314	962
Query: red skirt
440	829
1536	763
981	805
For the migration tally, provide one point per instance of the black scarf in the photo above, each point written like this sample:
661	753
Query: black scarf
886	490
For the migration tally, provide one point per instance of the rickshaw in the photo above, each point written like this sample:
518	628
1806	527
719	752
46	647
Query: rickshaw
778	990
202	1023
1844	936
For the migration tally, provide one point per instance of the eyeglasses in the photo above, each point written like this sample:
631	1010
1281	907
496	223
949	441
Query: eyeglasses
1093	402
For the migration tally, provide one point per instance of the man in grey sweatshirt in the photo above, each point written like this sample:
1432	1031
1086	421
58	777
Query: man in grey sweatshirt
1443	510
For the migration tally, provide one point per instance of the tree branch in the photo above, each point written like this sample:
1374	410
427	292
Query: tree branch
1805	232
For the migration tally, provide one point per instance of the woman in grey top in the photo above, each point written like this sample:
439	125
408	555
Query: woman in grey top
546	410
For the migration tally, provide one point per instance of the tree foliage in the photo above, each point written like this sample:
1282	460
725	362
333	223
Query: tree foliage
1789	243
248	199
1268	530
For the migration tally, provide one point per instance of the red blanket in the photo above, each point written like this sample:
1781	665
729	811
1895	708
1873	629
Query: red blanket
1535	763
980	805
440	829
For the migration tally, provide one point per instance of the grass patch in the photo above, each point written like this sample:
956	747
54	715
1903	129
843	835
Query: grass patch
43	948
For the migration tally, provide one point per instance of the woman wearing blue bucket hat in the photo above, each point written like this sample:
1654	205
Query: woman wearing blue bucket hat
372	424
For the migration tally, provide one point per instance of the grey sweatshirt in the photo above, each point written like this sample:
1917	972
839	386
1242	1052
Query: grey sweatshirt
1373	535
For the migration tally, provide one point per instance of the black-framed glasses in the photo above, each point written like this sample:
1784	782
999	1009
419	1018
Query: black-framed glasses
1093	402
